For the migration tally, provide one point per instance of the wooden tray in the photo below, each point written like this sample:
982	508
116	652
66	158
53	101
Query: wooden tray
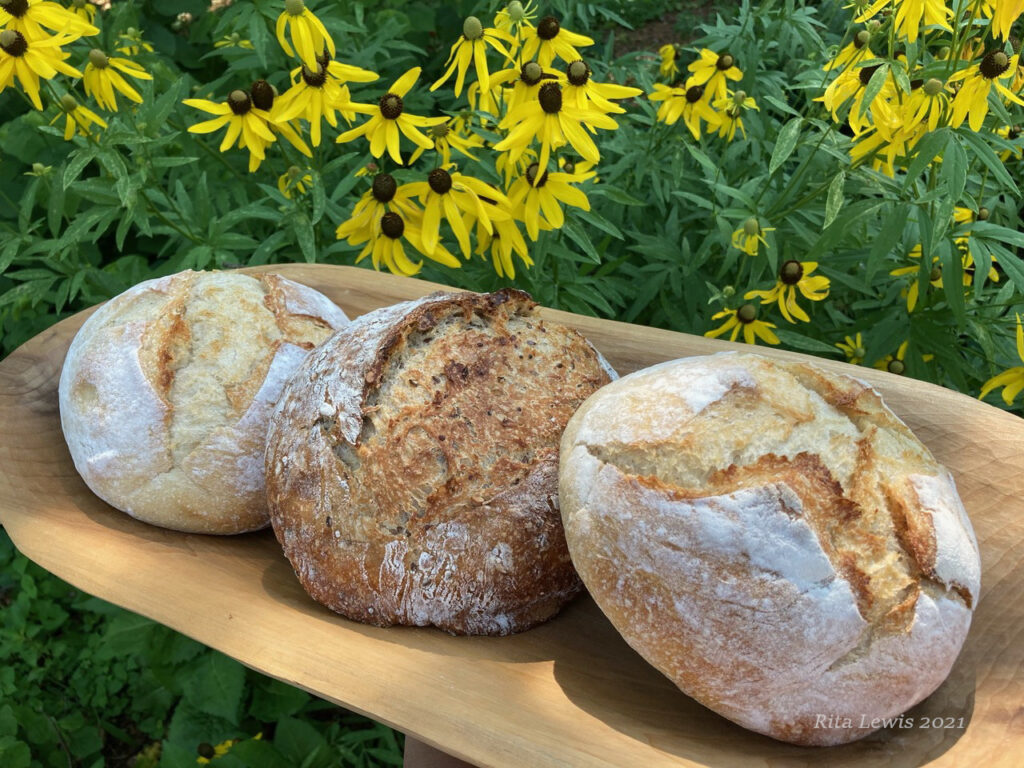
569	693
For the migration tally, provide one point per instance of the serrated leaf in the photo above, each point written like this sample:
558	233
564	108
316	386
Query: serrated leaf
215	686
834	200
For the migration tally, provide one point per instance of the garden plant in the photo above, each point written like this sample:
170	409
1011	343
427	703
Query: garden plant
836	178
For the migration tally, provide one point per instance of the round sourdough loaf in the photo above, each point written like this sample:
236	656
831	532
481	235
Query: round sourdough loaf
412	464
773	539
167	388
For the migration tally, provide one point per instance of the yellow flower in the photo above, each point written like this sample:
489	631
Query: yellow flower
535	201
730	113
858	50
853	348
1005	14
384	195
550	39
971	101
263	97
471	49
927	104
515	18
687	103
584	93
897	363
133	44
234	40
1011	380
503	242
385	247
450	194
794	276
489	100
934	278
713	70
913	15
307	32
554	122
294	180
30	61
246	124
526	82
669	67
745	319
76	117
101	79
30	16
388	119
513	167
446	138
84	10
318	94
747	237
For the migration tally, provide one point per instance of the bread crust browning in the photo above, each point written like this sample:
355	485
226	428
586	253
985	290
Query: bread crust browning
771	538
412	464
167	388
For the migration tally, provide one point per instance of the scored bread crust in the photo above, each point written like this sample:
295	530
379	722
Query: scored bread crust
771	538
167	388
412	464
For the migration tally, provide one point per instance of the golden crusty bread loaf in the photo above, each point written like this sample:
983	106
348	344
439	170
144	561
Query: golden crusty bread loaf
773	539
412	464
167	388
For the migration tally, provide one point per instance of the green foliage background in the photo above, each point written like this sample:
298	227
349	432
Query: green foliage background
85	684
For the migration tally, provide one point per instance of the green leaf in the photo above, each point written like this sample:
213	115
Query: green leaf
580	237
14	753
273	700
215	686
989	158
874	86
887	238
834	201
617	195
319	199
926	150
785	144
302	744
954	168
953	282
304	236
80	158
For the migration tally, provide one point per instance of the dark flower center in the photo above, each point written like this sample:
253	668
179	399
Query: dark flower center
861	39
314	79
548	28
206	750
531	176
983	214
17	8
440	181
550	96
391	224
239	101
531	73
746	314
1013	134
693	93
896	366
391	106
12	42
936	274
440	131
578	73
866	73
384	187
994	64
569	166
262	94
725	61
791	273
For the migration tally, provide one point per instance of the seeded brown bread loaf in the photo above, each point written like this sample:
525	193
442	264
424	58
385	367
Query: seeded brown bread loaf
412	464
167	388
773	539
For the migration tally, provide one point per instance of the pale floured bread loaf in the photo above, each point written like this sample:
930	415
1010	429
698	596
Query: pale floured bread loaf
773	539
167	388
412	464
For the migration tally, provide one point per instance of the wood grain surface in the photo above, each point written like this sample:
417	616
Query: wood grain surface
569	693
